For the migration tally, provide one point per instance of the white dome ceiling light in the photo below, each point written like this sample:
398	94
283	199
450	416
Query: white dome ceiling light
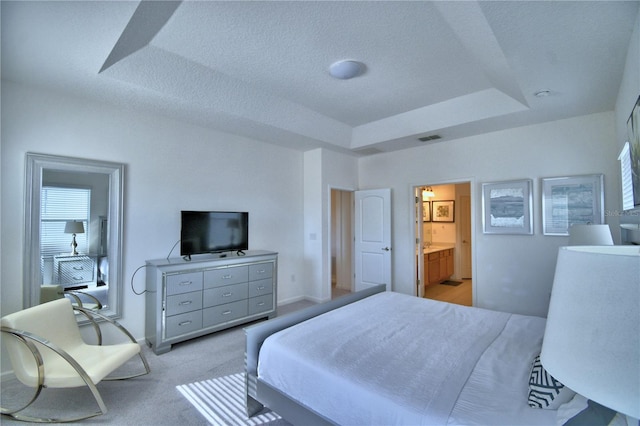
345	70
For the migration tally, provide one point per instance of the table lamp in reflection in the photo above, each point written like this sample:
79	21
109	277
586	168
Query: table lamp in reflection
73	227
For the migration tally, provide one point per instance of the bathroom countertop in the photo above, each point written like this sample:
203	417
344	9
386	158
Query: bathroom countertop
437	247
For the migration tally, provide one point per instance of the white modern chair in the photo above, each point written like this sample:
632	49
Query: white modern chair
49	334
53	292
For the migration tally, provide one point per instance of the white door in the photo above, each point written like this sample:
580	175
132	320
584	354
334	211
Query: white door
372	238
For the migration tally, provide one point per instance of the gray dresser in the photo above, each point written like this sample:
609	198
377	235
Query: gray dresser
187	299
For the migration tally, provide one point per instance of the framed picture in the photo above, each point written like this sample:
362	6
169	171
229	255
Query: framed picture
571	200
507	207
426	211
633	128
442	211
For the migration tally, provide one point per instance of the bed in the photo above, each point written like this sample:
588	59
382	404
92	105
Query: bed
377	357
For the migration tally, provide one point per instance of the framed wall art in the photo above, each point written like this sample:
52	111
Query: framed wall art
426	211
571	200
633	128
442	211
507	207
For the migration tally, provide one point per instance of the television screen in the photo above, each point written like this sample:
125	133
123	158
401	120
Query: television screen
213	232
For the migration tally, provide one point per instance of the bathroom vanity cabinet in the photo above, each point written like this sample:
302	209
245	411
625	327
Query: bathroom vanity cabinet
438	265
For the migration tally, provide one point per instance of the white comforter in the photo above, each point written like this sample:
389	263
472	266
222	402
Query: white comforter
397	359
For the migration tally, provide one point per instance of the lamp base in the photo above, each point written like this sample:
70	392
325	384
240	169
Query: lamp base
74	252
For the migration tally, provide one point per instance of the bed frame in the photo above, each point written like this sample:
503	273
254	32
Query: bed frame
258	393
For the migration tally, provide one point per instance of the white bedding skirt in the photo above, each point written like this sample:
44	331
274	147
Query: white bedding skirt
398	359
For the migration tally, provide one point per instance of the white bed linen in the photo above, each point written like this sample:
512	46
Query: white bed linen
398	359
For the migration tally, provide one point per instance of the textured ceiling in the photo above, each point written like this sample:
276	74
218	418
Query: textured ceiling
260	69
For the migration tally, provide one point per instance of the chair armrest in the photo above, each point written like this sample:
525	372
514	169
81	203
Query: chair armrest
75	293
91	315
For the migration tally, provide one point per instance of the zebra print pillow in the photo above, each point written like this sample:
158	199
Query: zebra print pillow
545	391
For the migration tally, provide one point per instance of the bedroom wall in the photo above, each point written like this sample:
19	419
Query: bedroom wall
169	166
627	96
511	273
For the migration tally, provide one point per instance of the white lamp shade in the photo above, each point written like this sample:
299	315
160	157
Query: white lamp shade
590	235
592	337
73	227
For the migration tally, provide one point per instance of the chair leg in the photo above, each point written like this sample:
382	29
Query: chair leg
147	370
15	413
40	368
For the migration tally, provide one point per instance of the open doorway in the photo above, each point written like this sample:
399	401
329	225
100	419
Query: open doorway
341	229
443	242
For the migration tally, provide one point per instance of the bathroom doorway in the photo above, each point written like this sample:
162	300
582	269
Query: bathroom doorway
443	236
341	242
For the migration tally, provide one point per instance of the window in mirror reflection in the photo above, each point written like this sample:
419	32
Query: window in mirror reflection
73	239
60	205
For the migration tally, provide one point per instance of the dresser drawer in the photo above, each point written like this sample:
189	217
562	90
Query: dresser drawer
226	276
226	294
260	304
183	323
260	288
184	283
75	270
184	302
224	313
260	271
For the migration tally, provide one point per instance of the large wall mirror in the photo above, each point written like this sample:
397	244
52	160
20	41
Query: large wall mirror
73	231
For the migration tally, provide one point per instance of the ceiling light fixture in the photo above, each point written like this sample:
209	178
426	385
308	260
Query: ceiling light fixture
345	70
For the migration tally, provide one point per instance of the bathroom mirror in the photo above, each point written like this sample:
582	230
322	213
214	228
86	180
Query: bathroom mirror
73	201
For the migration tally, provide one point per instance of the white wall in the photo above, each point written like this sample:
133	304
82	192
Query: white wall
627	96
169	166
511	273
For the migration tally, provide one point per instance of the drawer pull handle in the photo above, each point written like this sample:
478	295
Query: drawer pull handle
227	294
261	271
78	278
226	312
260	287
186	283
261	304
78	268
227	277
186	302
184	323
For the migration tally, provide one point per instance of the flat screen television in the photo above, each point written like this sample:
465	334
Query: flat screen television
213	232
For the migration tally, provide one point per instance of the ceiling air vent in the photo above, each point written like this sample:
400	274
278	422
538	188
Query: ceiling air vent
429	138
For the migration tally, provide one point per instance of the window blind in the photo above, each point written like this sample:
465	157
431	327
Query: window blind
627	184
58	205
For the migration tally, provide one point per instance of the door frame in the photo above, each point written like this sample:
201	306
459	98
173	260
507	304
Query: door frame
412	223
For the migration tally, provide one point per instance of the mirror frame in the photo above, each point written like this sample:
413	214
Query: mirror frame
35	164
